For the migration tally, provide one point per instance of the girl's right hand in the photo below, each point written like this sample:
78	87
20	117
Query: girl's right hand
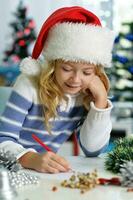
48	162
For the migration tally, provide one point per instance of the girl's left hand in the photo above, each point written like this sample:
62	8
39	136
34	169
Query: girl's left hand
98	92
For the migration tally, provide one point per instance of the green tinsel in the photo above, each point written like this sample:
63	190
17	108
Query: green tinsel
122	152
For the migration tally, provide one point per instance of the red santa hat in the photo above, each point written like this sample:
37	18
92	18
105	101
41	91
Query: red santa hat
74	34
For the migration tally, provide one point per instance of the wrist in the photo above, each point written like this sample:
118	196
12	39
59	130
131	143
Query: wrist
28	160
101	103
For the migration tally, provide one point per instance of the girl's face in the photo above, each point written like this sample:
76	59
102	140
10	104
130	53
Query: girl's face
73	77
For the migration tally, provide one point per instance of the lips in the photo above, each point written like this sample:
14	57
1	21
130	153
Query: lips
72	86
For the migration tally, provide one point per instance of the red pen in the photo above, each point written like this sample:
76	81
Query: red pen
41	142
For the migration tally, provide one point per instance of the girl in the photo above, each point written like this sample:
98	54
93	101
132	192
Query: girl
64	91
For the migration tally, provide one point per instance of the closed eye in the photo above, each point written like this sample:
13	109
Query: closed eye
87	73
66	69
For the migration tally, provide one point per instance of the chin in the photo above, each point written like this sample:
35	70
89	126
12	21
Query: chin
72	92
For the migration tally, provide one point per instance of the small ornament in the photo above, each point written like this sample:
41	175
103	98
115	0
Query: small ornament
130	69
121	59
54	188
9	161
127	174
27	31
22	43
129	37
111	181
117	39
19	179
130	190
31	24
7	191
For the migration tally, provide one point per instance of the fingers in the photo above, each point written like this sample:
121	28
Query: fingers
56	166
54	163
61	161
50	169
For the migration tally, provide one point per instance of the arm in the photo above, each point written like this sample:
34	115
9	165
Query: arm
95	131
11	121
11	124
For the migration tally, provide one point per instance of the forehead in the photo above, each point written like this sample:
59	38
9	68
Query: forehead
77	64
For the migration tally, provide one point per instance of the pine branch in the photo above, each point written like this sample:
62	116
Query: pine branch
122	152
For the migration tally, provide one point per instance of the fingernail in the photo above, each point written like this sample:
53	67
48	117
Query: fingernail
69	168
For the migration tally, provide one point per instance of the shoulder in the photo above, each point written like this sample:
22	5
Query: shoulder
26	86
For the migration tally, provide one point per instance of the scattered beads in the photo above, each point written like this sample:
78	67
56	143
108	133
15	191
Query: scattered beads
54	188
130	190
82	181
19	179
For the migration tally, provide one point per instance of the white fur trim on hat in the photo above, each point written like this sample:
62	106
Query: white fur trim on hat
30	66
79	42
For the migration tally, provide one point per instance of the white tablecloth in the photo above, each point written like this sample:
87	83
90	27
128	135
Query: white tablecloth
44	191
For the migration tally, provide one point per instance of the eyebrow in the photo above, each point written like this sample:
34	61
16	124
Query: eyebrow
88	68
71	65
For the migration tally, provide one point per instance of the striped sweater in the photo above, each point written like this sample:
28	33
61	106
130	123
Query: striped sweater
23	116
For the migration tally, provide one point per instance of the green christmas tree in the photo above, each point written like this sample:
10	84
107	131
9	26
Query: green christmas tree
121	74
23	35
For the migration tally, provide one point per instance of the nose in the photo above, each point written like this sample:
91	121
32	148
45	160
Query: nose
75	77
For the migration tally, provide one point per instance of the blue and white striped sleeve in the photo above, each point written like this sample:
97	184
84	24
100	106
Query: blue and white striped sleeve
12	119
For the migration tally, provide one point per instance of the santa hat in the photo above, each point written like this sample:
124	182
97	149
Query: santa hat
73	34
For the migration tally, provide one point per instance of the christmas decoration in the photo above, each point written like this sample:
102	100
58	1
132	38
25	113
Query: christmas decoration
9	161
88	181
122	152
82	181
16	176
127	174
7	191
23	36
121	74
110	181
19	179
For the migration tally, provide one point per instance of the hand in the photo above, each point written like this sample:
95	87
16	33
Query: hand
98	92
47	162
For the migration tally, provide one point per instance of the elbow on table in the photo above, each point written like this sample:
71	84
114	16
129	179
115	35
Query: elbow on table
94	153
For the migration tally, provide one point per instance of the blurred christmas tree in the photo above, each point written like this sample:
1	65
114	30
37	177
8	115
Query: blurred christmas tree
121	74
23	36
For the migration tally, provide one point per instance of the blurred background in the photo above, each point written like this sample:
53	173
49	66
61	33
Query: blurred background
21	20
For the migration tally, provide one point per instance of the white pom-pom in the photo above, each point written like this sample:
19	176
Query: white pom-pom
30	66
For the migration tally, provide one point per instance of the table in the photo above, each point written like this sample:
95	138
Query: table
44	191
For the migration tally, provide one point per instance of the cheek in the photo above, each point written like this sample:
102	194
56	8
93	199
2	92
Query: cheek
87	80
60	77
63	76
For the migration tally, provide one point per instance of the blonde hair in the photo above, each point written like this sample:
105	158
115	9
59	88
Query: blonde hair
50	93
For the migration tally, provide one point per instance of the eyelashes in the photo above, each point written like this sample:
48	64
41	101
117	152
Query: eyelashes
84	72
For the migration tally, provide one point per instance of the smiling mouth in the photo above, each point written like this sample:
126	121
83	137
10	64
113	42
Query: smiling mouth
72	86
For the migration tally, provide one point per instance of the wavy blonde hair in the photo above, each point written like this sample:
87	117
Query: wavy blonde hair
50	93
